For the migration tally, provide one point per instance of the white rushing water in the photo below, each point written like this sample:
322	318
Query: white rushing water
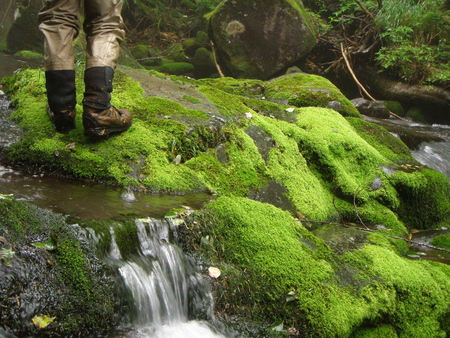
162	282
436	155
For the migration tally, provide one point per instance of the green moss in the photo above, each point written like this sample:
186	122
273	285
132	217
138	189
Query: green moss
140	52
176	68
191	99
17	221
228	104
72	264
249	230
126	238
305	90
424	196
29	54
441	241
388	145
245	87
376	332
395	107
330	297
79	289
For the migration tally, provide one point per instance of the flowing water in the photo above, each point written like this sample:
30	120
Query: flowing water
165	285
429	144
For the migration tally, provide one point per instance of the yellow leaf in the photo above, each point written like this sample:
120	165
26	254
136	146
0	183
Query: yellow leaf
42	321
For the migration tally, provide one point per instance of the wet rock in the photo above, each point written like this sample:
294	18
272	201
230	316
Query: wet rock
274	193
342	239
376	109
376	184
262	140
67	281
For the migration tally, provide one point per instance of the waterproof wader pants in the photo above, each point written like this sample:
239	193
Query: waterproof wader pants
103	26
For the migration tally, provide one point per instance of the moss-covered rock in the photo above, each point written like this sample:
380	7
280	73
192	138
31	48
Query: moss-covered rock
277	142
292	277
52	273
209	135
177	68
306	90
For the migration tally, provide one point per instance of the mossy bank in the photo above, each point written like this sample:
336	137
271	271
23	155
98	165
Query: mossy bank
49	272
269	151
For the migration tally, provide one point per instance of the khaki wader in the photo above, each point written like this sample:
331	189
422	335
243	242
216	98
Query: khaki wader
103	26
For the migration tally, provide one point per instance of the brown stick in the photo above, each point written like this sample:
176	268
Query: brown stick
347	62
213	49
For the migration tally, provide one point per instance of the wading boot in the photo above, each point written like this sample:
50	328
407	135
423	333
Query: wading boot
61	98
99	117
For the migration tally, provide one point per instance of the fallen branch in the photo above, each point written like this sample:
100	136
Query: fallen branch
350	69
377	232
213	50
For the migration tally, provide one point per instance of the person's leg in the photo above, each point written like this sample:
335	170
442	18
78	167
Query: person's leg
104	31
58	21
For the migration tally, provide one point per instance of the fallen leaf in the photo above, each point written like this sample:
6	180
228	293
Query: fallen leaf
42	321
214	272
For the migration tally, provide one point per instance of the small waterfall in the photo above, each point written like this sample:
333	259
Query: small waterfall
164	284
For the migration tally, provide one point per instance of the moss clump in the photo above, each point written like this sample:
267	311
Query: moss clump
191	99
305	90
424	196
388	145
29	54
441	241
177	68
140	51
376	332
247	87
291	276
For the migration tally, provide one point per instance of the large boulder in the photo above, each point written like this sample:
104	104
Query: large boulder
257	39
7	8
22	32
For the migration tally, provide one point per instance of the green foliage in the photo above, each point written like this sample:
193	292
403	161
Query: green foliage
416	40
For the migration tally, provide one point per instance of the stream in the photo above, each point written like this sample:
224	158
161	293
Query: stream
164	282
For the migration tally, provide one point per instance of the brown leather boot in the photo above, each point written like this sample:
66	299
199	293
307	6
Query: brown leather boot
99	117
99	122
63	120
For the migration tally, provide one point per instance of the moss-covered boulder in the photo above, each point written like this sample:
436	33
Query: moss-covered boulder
273	267
306	90
224	136
257	39
269	151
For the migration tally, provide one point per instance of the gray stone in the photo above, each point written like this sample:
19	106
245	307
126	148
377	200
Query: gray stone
258	38
371	108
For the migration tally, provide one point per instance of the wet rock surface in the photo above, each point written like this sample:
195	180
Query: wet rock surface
47	268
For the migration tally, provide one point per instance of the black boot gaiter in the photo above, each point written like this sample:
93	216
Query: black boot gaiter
98	81
61	92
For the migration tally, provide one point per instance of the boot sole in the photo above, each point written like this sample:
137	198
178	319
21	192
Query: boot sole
102	131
